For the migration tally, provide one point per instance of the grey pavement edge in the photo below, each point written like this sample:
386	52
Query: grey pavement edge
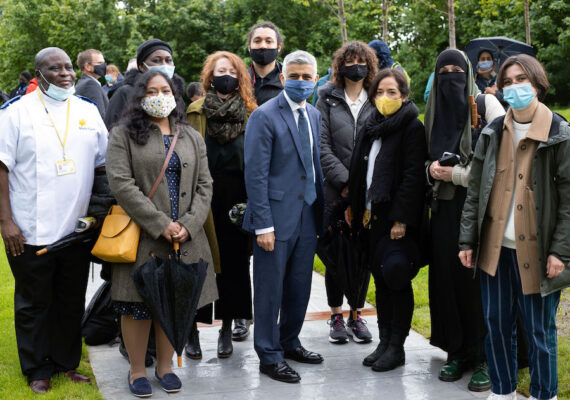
340	376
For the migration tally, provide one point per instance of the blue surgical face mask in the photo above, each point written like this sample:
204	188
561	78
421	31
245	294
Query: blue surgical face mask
518	96
167	70
484	65
298	91
57	93
108	78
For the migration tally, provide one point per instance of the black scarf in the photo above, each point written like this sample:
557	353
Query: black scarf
225	119
390	131
450	105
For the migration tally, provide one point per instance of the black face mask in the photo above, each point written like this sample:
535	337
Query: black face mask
355	72
263	56
225	84
100	69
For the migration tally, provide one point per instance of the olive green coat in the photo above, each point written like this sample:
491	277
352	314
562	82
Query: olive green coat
132	170
551	189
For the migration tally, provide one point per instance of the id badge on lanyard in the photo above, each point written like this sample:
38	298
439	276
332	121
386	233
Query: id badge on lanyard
65	167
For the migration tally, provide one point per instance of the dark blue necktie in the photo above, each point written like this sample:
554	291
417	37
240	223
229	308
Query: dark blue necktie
310	192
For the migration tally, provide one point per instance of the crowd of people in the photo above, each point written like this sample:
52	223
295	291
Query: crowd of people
489	216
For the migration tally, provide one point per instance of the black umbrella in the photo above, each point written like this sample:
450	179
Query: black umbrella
343	255
171	289
501	48
75	237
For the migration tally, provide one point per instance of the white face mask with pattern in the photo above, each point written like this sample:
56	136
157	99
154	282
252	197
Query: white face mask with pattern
159	106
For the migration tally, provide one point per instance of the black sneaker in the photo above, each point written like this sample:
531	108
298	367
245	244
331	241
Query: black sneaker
338	329
356	328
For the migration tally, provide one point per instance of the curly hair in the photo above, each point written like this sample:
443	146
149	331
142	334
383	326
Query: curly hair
136	121
245	87
353	51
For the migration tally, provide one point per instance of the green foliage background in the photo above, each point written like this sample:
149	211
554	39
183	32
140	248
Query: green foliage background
196	28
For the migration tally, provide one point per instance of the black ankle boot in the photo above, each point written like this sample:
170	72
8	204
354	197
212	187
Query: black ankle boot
380	349
394	356
225	347
193	349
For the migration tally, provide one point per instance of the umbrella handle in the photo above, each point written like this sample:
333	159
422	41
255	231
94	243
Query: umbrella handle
41	251
179	358
176	246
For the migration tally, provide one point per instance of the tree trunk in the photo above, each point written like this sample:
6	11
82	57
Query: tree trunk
451	19
527	20
342	19
385	6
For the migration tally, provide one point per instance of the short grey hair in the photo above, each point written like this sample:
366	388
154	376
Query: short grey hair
299	57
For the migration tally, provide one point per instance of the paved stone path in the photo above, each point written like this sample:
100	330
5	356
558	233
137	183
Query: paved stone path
340	376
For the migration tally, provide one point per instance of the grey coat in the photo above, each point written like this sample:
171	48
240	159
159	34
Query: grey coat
551	190
132	170
338	135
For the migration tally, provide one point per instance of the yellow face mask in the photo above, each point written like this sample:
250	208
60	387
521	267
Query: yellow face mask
388	106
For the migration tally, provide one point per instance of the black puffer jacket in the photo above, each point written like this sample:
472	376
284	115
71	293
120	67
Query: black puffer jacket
338	135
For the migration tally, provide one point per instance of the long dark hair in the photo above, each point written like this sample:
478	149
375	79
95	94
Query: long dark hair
136	121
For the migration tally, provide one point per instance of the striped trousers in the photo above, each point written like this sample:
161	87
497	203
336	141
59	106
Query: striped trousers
503	299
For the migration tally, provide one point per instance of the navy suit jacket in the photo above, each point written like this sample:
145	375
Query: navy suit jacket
274	171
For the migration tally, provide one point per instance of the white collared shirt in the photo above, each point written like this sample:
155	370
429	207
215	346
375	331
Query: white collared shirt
294	107
357	104
46	206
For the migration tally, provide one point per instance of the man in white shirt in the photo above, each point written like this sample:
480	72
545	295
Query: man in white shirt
50	146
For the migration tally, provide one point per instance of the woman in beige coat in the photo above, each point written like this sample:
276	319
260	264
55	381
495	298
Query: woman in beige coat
135	156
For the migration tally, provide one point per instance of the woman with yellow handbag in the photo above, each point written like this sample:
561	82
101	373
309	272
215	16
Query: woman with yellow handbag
153	129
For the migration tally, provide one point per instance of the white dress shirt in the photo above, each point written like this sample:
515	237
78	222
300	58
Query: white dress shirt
357	104
294	107
46	206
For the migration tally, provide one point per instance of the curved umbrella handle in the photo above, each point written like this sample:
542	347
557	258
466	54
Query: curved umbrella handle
176	246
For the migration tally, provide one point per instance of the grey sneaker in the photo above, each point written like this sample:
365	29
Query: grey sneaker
338	329
356	328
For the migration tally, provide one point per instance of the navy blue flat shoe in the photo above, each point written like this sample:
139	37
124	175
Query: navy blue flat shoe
170	383
140	386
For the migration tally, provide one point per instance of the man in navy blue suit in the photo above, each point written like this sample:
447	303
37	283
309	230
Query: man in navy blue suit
283	179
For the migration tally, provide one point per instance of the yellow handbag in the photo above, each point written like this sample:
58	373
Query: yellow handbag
119	238
118	241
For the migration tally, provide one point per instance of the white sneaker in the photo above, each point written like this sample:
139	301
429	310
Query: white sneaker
510	396
534	398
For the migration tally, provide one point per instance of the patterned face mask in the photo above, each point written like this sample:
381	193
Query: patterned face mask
159	106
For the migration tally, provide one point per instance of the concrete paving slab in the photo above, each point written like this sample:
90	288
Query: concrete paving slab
341	375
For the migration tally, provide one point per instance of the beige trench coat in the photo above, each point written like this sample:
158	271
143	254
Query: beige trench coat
132	170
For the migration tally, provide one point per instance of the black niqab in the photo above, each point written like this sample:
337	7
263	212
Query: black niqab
451	106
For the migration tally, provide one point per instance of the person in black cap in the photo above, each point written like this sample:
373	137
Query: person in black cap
152	54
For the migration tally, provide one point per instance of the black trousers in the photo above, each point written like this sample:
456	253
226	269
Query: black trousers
393	274
49	301
234	283
335	294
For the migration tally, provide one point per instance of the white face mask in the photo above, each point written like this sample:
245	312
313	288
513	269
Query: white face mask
159	106
57	93
167	70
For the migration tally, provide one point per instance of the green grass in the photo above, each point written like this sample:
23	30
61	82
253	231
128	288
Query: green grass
565	112
13	385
